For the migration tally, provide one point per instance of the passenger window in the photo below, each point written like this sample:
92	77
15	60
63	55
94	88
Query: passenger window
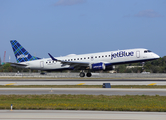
77	58
95	56
105	55
99	56
84	58
109	55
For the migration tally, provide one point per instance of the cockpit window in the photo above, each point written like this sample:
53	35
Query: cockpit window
147	51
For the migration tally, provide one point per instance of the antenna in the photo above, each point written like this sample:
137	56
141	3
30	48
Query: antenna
4	57
9	58
0	60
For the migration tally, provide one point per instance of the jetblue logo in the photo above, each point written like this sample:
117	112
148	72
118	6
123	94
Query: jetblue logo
22	56
95	67
121	54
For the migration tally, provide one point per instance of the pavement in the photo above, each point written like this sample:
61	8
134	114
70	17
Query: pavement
84	82
78	115
86	91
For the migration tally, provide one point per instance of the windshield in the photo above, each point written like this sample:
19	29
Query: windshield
147	51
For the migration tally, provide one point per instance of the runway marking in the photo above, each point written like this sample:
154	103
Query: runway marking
152	84
11	84
81	84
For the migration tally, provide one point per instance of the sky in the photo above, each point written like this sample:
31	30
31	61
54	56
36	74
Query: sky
63	27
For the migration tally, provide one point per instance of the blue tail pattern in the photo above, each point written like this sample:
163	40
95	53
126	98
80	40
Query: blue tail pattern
20	53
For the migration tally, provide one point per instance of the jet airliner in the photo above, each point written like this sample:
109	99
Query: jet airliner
90	62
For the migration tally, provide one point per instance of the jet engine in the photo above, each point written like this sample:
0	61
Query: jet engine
97	66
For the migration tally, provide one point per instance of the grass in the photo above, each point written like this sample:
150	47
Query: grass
81	86
84	102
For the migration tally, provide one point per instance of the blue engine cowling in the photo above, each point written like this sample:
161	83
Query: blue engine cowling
98	66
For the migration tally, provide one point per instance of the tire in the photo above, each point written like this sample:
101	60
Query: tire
82	74
89	74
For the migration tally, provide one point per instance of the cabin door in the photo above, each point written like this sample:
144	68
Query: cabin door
42	64
138	54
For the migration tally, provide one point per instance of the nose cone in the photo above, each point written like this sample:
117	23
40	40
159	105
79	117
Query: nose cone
156	56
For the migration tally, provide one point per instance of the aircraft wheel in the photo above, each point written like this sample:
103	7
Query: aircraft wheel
89	74
82	74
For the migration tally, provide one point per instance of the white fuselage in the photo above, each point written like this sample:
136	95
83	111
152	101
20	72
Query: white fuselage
108	58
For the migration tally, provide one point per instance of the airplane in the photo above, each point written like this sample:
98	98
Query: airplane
90	62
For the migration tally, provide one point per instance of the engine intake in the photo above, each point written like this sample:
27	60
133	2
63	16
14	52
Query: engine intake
98	66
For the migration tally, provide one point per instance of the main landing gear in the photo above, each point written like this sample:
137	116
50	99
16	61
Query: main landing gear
88	74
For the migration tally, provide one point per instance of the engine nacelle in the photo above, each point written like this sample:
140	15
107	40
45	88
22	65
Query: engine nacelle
98	66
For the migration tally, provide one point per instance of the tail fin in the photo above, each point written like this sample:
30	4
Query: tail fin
20	53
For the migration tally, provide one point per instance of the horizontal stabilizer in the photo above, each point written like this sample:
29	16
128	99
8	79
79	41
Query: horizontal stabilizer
17	64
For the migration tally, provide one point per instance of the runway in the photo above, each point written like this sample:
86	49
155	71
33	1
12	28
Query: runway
79	115
84	82
86	91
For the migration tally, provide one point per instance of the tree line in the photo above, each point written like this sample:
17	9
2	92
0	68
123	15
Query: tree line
154	66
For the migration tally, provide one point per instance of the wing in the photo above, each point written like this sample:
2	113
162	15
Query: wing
74	64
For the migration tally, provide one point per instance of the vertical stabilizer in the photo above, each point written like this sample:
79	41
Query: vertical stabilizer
20	53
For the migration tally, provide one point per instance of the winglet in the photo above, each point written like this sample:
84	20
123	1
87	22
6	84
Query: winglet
52	57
